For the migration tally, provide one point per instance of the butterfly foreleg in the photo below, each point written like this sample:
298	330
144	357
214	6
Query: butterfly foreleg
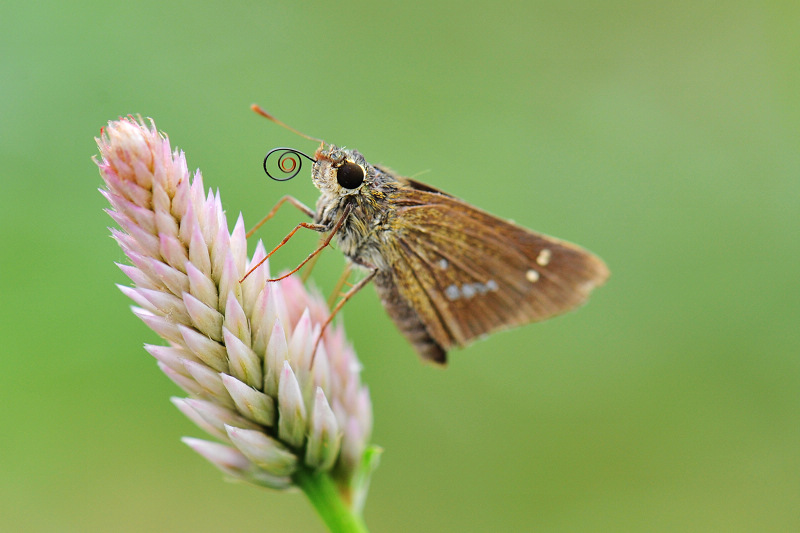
316	227
292	200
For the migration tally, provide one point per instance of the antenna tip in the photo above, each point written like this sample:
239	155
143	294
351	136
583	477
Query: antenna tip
258	109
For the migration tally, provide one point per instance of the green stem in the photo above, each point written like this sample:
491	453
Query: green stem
327	500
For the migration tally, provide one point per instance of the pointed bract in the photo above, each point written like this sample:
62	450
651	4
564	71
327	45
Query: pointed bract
291	408
233	463
244	364
324	439
263	451
251	403
207	320
277	354
211	383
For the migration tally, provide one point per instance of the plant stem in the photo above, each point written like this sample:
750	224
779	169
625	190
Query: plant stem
327	500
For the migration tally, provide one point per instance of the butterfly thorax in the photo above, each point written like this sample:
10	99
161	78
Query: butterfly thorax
364	234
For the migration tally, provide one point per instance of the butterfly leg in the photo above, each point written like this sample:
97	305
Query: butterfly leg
307	272
292	200
323	244
339	284
349	294
315	227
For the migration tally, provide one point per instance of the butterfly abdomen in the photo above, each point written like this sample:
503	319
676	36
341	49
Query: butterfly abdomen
407	320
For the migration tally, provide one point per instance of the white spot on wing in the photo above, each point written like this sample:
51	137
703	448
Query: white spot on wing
452	292
532	275
469	290
443	264
544	257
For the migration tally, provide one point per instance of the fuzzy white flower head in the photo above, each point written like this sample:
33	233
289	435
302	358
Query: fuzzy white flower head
242	351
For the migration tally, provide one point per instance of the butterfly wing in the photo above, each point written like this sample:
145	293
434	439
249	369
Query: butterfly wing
460	273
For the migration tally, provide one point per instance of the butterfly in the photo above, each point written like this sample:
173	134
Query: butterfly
446	272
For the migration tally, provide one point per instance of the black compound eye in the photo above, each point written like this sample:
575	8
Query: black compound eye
350	175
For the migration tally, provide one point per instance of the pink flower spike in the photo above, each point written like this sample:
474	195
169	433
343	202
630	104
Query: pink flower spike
241	351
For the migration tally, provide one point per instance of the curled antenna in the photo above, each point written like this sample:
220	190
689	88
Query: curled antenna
289	162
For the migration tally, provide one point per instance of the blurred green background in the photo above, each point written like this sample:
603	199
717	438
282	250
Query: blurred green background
662	136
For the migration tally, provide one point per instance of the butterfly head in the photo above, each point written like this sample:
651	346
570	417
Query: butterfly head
337	172
341	172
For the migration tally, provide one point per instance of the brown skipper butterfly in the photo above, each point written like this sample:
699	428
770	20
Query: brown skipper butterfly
446	272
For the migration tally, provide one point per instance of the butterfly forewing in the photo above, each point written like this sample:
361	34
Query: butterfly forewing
468	273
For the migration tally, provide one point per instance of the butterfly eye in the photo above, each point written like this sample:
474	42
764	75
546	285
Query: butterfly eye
350	175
